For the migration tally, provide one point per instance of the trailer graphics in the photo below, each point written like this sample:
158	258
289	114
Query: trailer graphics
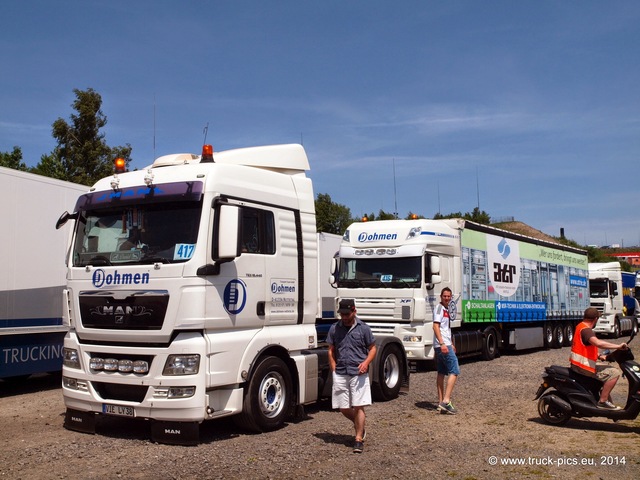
32	275
539	273
511	291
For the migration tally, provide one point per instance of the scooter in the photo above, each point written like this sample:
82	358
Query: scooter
565	393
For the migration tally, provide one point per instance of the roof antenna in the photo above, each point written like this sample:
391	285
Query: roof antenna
395	198
154	126
205	130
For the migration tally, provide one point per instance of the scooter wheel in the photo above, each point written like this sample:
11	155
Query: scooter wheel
550	413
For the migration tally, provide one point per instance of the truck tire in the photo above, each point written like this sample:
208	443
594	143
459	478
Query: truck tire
268	397
547	332
558	335
387	386
490	348
568	334
616	329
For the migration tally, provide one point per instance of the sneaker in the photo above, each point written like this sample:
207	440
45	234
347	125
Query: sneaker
358	447
608	405
447	408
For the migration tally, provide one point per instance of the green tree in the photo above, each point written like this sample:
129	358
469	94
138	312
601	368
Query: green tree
331	217
13	160
82	155
382	215
477	215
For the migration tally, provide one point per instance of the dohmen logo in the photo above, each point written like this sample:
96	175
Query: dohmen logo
101	279
373	237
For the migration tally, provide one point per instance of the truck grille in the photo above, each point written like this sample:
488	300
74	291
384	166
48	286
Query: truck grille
381	314
123	311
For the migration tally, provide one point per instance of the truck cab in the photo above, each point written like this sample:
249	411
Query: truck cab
607	294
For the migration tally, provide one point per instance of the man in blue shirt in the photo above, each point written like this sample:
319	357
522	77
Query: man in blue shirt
351	349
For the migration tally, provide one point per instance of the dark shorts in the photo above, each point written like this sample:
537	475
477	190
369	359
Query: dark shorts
447	364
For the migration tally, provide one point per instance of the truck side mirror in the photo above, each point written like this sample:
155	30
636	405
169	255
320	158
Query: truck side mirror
228	231
333	272
434	265
432	273
614	289
64	218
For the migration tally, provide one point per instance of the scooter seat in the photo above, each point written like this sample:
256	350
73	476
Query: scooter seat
558	370
591	383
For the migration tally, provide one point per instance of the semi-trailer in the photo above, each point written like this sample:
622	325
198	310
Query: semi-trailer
33	271
509	290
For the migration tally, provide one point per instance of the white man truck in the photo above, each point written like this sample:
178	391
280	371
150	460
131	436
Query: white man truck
193	292
32	272
612	292
509	290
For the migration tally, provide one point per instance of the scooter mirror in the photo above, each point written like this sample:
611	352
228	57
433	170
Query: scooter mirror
633	334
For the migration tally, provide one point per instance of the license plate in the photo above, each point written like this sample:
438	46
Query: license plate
118	410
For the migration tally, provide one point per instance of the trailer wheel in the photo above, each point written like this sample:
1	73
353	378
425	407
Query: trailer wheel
489	344
558	335
548	335
568	334
268	397
387	386
550	413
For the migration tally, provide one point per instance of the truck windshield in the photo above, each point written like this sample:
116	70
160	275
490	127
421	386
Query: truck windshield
598	289
366	272
137	234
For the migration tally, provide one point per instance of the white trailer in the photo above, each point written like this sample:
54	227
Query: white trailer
193	293
509	290
32	273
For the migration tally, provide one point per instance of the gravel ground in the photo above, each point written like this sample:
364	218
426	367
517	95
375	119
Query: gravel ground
497	427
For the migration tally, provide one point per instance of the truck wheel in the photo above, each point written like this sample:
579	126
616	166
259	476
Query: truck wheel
268	398
387	386
558	335
489	344
548	335
568	335
616	329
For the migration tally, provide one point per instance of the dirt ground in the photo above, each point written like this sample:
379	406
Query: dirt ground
497	434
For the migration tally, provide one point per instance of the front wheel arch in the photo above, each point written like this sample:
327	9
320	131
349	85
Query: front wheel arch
268	396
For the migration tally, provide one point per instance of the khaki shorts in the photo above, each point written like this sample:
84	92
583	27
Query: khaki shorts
606	372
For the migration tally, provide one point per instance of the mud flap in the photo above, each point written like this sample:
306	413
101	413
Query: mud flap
84	422
175	433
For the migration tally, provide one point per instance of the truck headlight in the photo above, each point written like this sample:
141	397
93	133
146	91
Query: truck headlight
412	339
180	364
70	358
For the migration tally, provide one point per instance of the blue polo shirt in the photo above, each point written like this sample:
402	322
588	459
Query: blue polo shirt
351	345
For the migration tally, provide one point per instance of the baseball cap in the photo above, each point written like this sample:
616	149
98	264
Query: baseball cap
347	305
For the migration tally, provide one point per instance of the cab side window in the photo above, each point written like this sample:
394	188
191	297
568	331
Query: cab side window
258	231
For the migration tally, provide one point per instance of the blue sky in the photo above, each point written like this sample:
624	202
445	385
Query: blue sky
529	108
